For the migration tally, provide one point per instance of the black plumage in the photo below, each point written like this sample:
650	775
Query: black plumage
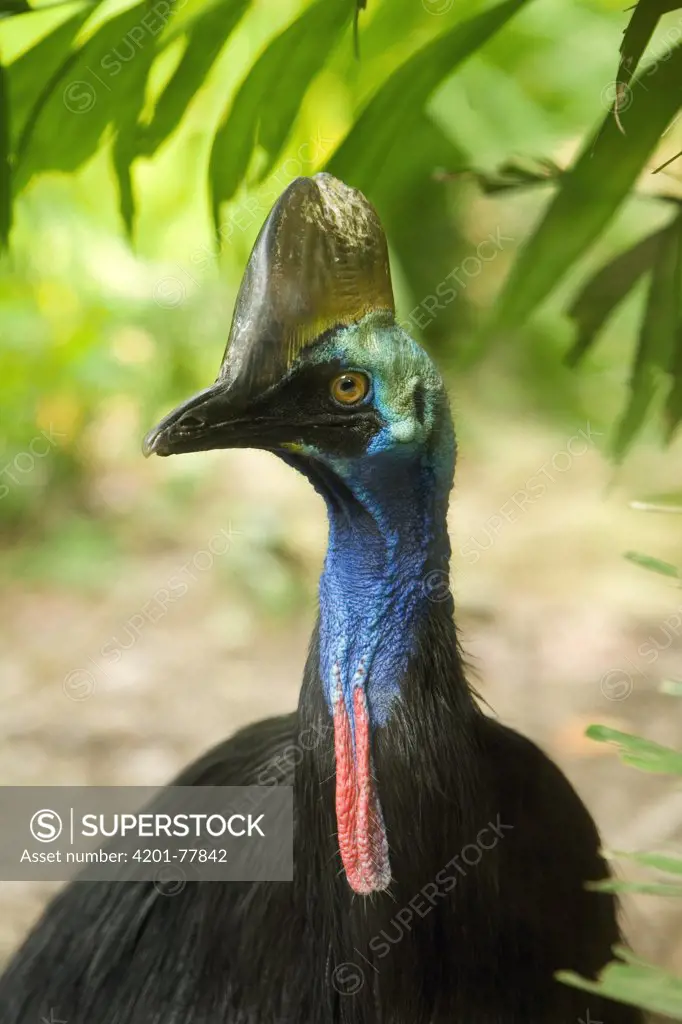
484	953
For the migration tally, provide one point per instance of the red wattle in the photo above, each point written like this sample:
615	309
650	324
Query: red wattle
361	831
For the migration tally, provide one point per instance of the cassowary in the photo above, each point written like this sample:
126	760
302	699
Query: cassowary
440	858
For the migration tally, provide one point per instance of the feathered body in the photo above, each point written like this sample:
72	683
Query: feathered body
440	858
464	935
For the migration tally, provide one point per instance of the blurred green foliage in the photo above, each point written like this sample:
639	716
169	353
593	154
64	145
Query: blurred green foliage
627	978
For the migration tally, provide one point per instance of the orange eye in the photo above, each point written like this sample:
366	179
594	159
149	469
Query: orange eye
350	388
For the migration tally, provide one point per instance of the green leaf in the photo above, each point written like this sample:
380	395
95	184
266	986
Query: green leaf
5	172
659	861
639	31
654	564
671	501
673	687
636	36
591	192
634	983
206	37
268	100
123	154
413	205
658	329
400	176
639	752
515	174
606	290
10	7
673	407
665	889
30	72
130	101
360	5
96	85
378	138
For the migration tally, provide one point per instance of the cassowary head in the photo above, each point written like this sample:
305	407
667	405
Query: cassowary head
318	371
315	363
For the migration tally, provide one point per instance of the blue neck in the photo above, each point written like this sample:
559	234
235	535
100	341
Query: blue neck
387	563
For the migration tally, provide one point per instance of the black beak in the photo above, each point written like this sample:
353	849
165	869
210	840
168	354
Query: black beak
214	418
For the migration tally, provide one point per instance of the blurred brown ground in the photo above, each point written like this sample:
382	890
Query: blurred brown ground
551	617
